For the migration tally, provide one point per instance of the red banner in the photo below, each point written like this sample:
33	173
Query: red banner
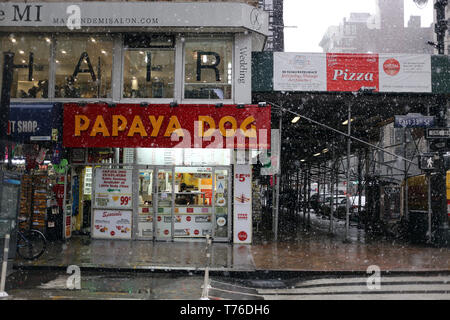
163	126
351	72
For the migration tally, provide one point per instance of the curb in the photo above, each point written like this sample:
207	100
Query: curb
228	272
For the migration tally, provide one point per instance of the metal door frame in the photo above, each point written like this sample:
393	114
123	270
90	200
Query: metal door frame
136	170
155	203
229	169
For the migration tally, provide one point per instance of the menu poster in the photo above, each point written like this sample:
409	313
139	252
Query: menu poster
242	204
113	188
112	224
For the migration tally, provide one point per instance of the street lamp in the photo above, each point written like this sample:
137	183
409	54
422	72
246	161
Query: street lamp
346	121
295	120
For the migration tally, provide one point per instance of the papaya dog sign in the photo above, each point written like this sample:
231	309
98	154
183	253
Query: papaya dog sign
163	126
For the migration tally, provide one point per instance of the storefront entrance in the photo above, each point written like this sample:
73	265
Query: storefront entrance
174	203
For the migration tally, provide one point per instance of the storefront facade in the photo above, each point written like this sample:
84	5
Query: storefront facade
129	77
179	177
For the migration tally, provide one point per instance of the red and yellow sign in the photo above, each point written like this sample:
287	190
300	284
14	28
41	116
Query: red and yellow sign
162	126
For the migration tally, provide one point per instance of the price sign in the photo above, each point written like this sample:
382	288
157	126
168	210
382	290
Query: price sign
113	188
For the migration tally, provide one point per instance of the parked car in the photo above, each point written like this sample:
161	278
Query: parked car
316	200
339	206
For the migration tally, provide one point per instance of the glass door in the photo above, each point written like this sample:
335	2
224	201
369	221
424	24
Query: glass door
193	202
222	204
163	194
145	220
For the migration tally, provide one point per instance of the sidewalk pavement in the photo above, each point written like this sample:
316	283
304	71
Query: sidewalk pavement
310	251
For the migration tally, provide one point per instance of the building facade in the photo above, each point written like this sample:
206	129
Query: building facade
275	40
383	32
442	13
129	86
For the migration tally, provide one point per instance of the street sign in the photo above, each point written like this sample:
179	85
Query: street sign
438	133
428	161
413	120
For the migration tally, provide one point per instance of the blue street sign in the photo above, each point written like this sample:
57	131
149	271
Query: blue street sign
413	120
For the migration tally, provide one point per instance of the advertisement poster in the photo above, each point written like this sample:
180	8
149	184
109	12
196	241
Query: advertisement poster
113	188
112	224
242	203
405	73
299	72
352	72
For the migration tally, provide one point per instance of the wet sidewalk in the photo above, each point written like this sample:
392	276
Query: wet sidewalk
307	251
132	255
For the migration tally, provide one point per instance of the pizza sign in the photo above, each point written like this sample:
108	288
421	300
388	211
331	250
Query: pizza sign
345	72
352	72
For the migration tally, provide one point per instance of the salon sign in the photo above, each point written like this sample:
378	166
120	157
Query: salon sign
164	126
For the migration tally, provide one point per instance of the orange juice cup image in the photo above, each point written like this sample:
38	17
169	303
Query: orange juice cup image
115	198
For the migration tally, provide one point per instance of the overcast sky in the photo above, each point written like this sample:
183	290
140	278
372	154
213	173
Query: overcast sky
313	17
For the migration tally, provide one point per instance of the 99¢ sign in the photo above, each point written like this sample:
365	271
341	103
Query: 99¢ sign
113	188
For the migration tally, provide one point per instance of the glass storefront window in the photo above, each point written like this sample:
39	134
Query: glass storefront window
188	157
145	213
32	52
149	73
83	66
208	69
221	203
163	221
193	201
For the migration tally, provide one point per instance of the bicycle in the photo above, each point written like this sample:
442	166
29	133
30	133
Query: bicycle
31	244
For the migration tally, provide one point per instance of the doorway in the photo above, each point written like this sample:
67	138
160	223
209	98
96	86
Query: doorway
179	203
